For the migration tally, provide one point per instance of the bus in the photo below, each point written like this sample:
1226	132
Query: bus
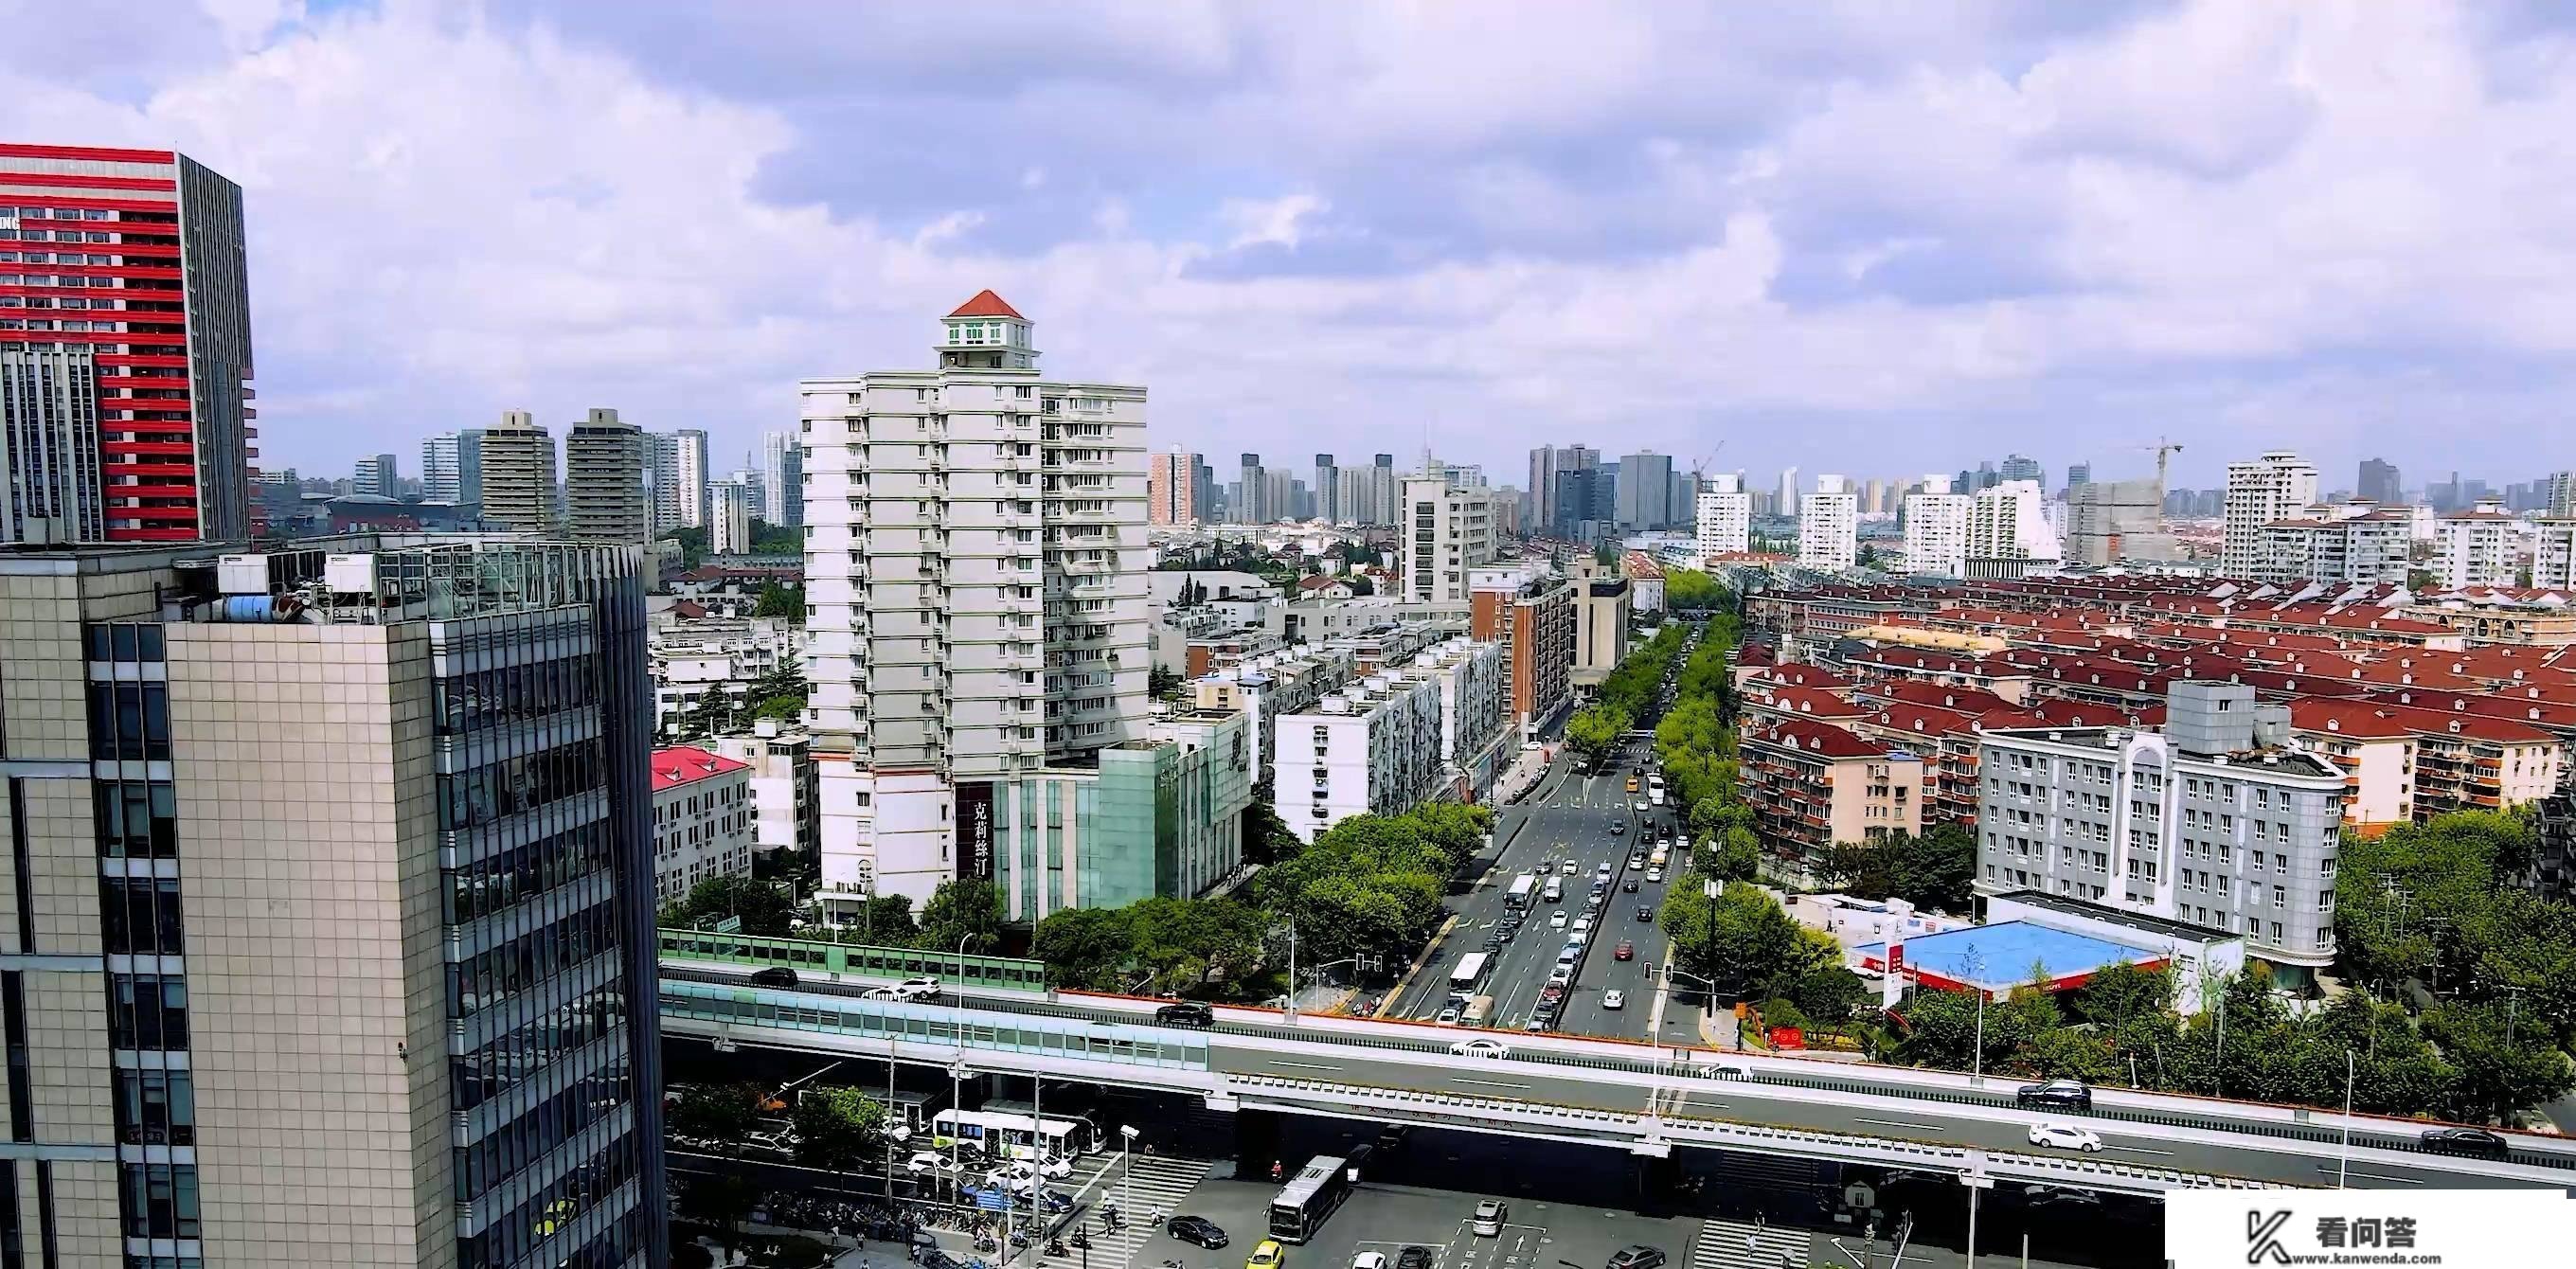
1013	1134
1517	898
1309	1197
1655	789
1470	974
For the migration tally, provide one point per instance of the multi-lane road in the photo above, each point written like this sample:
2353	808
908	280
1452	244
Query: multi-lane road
1568	818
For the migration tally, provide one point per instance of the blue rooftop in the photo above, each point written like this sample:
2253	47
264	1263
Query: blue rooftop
2000	956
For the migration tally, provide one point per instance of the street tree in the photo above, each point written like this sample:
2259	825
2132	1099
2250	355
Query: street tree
837	1128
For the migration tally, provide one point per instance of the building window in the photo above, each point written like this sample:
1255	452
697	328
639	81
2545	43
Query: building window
161	1200
136	819
139	916
148	1011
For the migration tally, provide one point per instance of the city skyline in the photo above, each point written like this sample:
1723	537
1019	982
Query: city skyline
1847	307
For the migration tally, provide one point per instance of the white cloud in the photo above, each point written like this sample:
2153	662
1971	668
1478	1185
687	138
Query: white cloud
2227	218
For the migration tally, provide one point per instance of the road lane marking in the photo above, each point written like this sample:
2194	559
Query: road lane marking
1311	1066
1461	1079
2375	1176
1900	1123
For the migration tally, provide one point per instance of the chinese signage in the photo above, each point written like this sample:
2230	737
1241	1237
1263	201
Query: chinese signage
975	830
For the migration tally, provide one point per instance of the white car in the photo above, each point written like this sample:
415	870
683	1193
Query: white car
1654	875
1480	1047
1369	1260
1583	925
1577	937
1567	868
927	1161
1556	919
1613	998
2065	1137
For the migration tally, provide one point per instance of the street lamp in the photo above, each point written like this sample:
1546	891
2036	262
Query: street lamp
1975	963
1291	1011
2343	1164
1127	1135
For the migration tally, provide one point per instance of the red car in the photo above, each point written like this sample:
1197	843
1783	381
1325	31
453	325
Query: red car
1627	951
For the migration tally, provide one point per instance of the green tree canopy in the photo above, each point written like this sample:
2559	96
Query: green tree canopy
963	910
837	1128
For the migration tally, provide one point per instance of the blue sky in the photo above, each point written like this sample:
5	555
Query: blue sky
1881	239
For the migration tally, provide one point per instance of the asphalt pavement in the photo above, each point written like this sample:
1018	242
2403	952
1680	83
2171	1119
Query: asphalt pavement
1569	818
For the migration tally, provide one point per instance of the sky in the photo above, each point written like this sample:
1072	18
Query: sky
1869	238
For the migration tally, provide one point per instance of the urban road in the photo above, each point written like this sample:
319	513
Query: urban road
1568	818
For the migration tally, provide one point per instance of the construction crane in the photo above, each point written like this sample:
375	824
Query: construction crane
1699	466
2165	450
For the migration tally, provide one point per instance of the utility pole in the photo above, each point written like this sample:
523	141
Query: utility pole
2343	1164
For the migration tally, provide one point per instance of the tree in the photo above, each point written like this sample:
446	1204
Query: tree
1739	856
1594	729
1085	948
718	1112
1738	942
1266	837
964	909
885	920
777	600
837	1127
764	909
1360	586
1160	681
1690	590
1935	870
776	539
721	1200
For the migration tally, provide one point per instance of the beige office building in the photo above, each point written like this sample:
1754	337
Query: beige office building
519	474
302	843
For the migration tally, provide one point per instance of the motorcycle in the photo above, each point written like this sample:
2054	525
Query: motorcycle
1082	1239
1055	1247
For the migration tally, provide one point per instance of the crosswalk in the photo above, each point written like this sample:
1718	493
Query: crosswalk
1146	1182
1744	1245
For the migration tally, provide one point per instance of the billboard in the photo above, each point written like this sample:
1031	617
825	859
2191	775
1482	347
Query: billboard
975	830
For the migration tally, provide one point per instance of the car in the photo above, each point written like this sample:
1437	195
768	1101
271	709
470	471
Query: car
1369	1260
1197	1230
1561	974
1508	931
1268	1255
1494	942
927	1161
1057	1202
1626	951
1416	1257
1642	808
1636	1256
1531	746
1550	994
1655	876
1489	1218
1538	1022
1604	872
774	976
1619	828
2065	1094
1567	868
1645	913
1630	887
1595	899
2474	1142
2065	1137
1613	998
1636	861
1448	1017
923	987
1186	1013
1556	919
1583	924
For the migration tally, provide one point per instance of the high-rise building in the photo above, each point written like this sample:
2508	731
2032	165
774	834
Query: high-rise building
2078	475
2022	467
782	479
2475	547
2553	553
1725	516
1785	502
974	562
49	445
1547	466
359	969
1253	506
2558	494
2111	520
1282	495
2273	487
519	474
1936	529
133	426
679	479
1645	490
729	504
2356	542
1446	532
604	495
1829	526
2010	522
1172	492
451	467
2380	482
1327	489
376	474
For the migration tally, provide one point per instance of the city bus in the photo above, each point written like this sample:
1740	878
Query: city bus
1308	1198
1518	897
1470	974
1655	789
1013	1134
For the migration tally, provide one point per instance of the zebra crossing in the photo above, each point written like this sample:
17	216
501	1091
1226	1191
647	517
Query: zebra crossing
1744	1245
1145	1183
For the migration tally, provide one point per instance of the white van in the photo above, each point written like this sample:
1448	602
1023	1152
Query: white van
1555	890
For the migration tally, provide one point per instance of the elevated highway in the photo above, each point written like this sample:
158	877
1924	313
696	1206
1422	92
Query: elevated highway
1643	1098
